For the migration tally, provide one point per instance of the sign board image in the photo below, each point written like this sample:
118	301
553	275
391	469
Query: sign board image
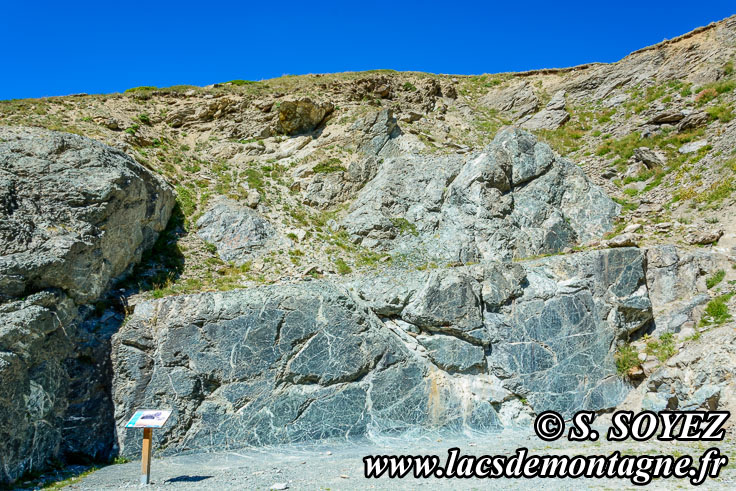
148	418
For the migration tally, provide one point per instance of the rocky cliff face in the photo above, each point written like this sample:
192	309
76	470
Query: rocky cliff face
367	254
472	348
74	215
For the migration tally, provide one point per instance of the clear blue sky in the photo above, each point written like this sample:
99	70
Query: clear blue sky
56	48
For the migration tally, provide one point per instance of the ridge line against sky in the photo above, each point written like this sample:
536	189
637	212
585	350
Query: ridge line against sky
54	48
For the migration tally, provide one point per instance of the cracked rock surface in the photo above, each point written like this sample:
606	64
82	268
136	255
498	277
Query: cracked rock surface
74	214
471	348
516	198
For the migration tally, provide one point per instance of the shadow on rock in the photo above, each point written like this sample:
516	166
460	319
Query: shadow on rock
160	266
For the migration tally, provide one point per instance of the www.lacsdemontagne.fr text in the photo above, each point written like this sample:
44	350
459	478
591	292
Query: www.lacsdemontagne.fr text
666	426
639	469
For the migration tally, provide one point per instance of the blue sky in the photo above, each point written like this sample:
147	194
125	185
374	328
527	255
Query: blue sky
57	48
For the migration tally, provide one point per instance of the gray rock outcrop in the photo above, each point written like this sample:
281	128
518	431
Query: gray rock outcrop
676	284
447	350
649	157
74	214
519	100
551	117
239	233
515	199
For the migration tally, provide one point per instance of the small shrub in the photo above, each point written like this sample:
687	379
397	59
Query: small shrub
706	95
625	205
404	226
210	247
410	87
186	200
254	178
717	192
716	312
329	166
631	192
717	277
242	82
144	118
342	266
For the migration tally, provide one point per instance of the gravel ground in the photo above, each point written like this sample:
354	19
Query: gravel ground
339	465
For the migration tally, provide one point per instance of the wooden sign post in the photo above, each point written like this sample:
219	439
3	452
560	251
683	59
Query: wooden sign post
148	419
146	456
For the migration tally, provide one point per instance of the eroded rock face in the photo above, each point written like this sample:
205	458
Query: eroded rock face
74	214
515	199
450	350
518	100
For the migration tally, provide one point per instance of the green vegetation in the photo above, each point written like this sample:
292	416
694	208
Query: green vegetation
404	226
186	200
144	118
242	82
254	178
342	266
631	192
410	87
728	68
715	279
717	192
625	205
329	166
626	358
716	312
641	101
722	112
709	92
564	140
210	247
63	483
663	348
143	88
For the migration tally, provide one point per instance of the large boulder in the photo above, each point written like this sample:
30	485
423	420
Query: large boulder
74	214
514	199
471	348
518	100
